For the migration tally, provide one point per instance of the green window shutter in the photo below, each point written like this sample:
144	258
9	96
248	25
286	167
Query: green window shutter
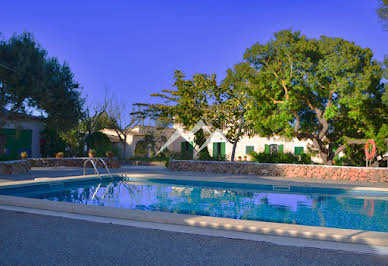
266	148
298	150
183	147
249	149
191	146
215	149
223	154
280	148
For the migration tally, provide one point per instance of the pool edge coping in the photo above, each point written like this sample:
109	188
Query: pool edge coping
145	176
228	224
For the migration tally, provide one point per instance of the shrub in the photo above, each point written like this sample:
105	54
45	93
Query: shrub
100	143
281	158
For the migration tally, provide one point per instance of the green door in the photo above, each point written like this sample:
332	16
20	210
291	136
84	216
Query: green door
219	149
223	149
16	141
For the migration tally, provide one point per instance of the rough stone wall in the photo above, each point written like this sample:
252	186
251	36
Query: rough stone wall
71	162
285	170
155	163
14	167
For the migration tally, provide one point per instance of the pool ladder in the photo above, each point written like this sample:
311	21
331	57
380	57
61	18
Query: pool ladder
93	162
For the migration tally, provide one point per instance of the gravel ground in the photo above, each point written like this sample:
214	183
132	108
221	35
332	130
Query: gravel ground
30	239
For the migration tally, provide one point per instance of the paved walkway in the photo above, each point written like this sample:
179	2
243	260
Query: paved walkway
30	239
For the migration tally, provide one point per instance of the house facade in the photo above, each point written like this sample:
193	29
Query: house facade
21	134
217	145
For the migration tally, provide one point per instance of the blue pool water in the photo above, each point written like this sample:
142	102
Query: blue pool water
296	205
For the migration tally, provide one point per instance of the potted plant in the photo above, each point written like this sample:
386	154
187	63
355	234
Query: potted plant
24	155
109	154
92	153
59	155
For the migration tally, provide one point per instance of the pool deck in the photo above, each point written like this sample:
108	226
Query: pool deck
53	240
231	226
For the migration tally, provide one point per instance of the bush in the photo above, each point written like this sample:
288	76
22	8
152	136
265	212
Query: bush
281	158
100	143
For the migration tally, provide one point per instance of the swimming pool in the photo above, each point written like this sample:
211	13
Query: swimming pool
337	208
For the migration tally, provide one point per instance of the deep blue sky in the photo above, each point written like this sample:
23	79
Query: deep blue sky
134	47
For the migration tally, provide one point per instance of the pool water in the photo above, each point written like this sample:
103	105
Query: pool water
338	209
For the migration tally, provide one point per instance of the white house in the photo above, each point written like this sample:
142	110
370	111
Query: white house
217	144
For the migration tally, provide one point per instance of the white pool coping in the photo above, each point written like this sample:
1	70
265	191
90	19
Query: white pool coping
225	224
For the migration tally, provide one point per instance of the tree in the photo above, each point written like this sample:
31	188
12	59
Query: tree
122	120
220	106
326	90
236	103
30	80
94	118
189	103
382	12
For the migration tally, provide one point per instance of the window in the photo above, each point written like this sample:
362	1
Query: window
249	149
273	148
298	150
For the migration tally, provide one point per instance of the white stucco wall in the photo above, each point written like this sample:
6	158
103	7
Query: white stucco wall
256	141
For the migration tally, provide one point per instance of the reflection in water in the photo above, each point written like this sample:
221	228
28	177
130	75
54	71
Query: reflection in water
315	210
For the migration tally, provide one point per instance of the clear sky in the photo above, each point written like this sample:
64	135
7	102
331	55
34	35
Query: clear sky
134	47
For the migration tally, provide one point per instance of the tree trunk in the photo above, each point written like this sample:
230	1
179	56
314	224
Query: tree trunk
124	146
237	138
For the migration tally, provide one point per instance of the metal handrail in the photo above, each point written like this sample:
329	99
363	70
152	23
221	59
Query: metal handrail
94	166
106	167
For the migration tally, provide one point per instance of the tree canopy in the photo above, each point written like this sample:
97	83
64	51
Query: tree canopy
327	90
30	80
382	12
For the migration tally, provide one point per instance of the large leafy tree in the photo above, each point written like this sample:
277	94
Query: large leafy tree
382	12
326	90
219	106
187	104
30	80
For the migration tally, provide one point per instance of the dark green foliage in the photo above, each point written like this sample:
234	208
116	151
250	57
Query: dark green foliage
327	90
141	149
281	158
51	143
29	79
100	143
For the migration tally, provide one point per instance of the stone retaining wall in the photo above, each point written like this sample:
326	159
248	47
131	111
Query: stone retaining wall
143	163
14	167
71	162
284	170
